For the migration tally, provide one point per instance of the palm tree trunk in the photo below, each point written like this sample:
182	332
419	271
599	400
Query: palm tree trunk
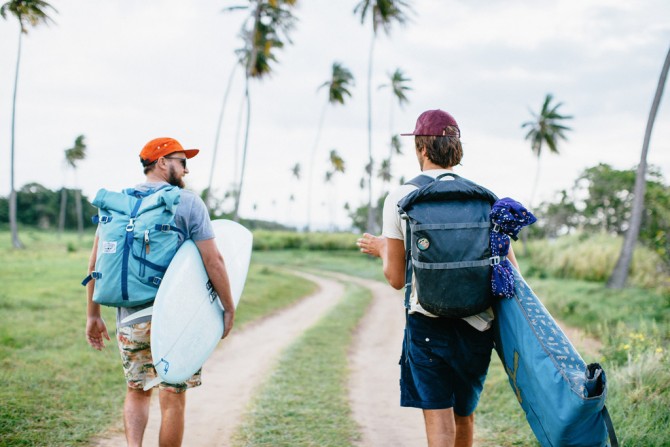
13	224
218	134
80	215
371	212
61	214
620	272
531	199
244	152
310	185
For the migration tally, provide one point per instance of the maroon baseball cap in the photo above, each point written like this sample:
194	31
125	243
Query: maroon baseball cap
433	123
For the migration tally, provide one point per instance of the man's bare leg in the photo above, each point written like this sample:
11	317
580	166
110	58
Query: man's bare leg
136	415
172	418
465	430
440	427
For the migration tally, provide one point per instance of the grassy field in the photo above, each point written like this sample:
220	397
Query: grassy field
56	390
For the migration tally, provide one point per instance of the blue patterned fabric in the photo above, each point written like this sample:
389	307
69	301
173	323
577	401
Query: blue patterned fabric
508	217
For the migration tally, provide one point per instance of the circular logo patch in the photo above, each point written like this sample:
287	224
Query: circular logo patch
423	244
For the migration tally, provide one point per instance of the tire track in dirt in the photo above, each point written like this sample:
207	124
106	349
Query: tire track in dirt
374	392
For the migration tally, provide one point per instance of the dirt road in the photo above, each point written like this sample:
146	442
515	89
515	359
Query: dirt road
242	362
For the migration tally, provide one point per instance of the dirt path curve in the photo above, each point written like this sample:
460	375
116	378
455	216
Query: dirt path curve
237	368
373	385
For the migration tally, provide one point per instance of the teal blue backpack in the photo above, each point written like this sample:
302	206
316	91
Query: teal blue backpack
137	239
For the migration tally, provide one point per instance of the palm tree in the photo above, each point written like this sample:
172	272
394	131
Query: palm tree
383	14
33	13
622	267
338	89
545	128
72	156
398	82
336	165
224	103
264	31
215	150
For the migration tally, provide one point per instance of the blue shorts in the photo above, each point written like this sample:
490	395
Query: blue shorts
443	364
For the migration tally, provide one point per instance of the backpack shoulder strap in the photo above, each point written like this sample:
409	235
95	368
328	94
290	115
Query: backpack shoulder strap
421	180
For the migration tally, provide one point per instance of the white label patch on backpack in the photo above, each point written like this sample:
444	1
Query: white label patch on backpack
109	247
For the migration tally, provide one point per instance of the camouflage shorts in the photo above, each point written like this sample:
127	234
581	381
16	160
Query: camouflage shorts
135	349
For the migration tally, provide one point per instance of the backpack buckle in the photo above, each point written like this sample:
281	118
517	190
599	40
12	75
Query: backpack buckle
494	260
496	227
165	228
131	225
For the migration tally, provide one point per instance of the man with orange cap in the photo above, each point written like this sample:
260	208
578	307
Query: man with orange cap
164	161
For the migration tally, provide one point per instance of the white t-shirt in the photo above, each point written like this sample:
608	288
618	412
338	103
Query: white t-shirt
393	227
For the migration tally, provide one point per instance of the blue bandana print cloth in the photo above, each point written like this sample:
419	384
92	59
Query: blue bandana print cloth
508	217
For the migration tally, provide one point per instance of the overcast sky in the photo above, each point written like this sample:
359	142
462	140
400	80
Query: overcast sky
122	73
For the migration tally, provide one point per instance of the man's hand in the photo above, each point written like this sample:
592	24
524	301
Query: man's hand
228	317
95	331
372	245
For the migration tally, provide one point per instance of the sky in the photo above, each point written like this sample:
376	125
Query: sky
122	73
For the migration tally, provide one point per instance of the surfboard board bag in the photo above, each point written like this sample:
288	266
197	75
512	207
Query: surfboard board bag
137	239
447	243
562	396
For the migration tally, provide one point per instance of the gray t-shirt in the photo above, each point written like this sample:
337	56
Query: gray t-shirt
191	217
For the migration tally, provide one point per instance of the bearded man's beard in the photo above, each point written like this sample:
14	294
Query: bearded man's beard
174	180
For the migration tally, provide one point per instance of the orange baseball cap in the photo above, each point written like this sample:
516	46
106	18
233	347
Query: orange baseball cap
160	147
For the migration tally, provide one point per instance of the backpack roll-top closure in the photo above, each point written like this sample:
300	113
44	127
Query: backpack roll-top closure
113	201
169	200
438	190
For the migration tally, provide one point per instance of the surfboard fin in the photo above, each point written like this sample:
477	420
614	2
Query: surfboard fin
139	314
152	383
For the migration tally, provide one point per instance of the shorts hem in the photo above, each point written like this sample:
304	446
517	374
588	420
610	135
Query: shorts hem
426	405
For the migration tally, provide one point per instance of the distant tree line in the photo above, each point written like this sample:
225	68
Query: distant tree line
39	206
601	200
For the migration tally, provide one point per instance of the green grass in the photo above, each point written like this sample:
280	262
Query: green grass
348	262
304	402
267	290
57	391
592	257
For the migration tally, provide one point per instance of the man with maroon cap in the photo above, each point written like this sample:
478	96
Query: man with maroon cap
444	360
164	161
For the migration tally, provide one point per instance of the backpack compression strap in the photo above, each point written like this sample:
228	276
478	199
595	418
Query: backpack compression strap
418	181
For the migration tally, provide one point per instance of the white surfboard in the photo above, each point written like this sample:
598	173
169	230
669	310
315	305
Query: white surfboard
187	321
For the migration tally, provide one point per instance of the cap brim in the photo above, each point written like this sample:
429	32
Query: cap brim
406	134
190	153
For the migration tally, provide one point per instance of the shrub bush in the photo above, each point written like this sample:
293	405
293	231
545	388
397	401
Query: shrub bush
283	240
592	257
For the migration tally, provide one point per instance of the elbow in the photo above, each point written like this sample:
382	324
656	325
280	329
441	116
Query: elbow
395	282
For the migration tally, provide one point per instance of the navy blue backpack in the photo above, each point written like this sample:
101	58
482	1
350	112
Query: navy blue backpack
447	245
